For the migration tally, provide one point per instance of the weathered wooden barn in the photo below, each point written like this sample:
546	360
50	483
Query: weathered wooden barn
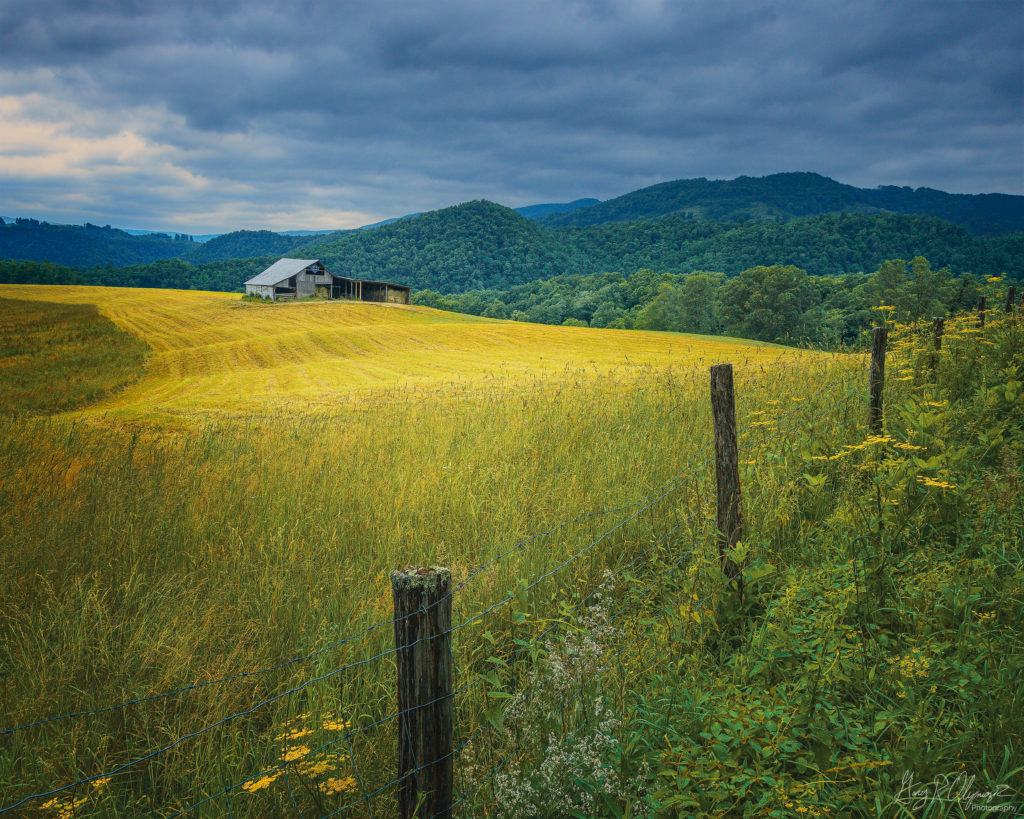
301	278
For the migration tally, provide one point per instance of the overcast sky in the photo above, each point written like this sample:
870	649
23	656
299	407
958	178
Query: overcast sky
206	116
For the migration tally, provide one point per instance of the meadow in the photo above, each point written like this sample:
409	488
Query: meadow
237	501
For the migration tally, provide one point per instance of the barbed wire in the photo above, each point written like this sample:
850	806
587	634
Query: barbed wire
673	484
343	641
461	689
457	750
580	688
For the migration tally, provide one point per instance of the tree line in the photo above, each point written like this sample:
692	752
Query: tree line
779	303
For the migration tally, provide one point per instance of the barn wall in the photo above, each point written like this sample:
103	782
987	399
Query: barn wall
327	286
264	290
306	283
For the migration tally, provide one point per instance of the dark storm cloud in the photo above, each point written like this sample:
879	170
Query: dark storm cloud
377	109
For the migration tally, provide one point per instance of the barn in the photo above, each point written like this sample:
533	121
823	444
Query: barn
302	278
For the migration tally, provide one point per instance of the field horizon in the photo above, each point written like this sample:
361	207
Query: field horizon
213	353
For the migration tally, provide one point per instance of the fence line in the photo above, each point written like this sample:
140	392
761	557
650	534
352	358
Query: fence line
689	466
666	489
546	631
465	686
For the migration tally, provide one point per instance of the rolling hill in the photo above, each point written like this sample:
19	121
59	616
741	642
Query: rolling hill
476	244
482	245
784	196
212	353
726	225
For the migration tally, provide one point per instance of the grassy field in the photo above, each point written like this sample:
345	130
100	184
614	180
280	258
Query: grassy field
215	354
241	503
70	345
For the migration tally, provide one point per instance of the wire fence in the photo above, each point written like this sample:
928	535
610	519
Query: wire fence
657	535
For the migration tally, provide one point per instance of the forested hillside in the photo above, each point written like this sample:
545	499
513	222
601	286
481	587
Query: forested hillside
804	219
482	245
822	245
784	196
87	245
245	243
476	244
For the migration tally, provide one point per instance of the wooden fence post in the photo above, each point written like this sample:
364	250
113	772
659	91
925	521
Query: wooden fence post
727	469
939	324
1011	296
877	378
423	618
982	304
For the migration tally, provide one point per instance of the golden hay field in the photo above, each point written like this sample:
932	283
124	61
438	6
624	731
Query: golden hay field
213	353
243	500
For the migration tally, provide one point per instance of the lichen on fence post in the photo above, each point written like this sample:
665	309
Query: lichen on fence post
423	617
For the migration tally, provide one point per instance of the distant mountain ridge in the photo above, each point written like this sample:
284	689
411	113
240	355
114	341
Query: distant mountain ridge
479	245
87	245
537	211
784	196
666	227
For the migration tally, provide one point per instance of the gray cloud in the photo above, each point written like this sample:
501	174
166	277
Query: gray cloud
287	112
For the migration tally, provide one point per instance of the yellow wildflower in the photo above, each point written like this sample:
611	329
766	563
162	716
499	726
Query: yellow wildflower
295	733
264	781
334	785
914	664
933	482
295	752
65	807
315	768
101	783
332	724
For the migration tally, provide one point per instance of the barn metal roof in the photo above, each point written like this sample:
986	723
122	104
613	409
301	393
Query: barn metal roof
281	270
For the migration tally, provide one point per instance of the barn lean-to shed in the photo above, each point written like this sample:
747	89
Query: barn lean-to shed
301	278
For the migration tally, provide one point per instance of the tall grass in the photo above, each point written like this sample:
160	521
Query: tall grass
140	556
58	357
